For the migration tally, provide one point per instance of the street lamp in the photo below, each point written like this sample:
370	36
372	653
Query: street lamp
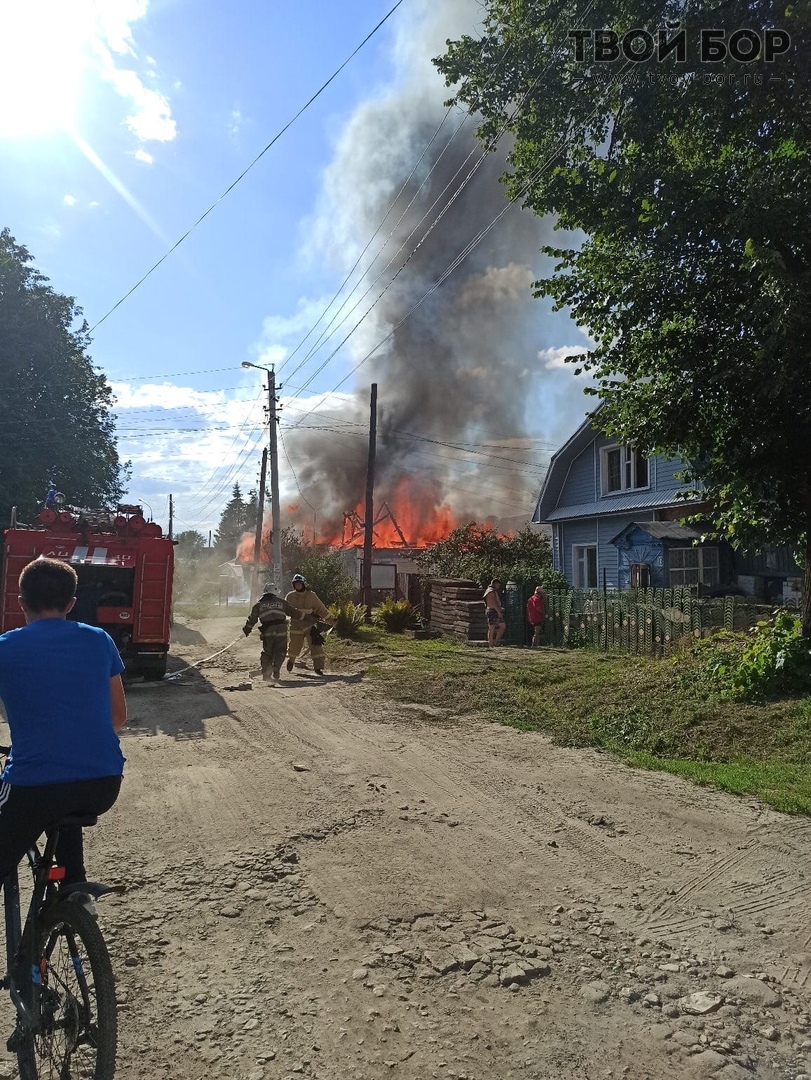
274	477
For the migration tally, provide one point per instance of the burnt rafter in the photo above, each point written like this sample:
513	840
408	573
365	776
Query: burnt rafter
354	526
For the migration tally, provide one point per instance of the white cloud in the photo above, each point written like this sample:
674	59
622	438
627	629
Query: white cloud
142	155
272	354
151	116
187	441
92	205
556	358
235	121
69	200
58	48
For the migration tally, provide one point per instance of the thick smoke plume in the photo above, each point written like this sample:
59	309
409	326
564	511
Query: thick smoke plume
462	366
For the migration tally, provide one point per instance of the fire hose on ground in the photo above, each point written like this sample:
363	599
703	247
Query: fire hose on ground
219	652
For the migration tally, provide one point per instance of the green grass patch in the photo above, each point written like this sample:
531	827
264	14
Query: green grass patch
785	787
661	714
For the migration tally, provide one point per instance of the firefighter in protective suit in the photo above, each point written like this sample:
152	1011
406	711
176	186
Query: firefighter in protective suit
271	612
306	603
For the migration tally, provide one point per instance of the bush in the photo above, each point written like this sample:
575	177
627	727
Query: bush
327	576
395	615
773	659
479	553
349	618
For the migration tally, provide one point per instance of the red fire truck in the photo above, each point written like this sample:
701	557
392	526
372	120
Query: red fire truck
124	565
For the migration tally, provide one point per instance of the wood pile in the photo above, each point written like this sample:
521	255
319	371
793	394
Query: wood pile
457	608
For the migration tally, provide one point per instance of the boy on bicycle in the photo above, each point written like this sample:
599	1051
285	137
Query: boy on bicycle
60	683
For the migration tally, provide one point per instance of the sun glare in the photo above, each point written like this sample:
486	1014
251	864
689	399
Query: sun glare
45	54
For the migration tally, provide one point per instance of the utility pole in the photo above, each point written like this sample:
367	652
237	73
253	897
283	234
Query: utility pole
368	524
260	518
274	485
274	474
171	517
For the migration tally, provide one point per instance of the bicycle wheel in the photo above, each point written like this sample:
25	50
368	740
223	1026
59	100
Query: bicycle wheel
79	1021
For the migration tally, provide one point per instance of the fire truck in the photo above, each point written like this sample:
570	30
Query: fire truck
124	565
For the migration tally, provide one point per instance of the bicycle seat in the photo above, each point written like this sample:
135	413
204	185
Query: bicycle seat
83	820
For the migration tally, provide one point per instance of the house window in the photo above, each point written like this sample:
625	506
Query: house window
623	469
584	562
693	565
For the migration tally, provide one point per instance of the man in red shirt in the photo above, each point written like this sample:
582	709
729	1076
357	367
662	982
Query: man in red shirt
536	613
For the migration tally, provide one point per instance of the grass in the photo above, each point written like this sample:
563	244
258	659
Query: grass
656	714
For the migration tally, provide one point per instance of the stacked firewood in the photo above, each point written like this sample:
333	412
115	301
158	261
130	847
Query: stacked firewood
457	608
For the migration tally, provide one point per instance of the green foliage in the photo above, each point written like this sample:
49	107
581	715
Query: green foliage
395	615
190	544
55	408
349	618
634	728
683	202
773	660
234	521
479	553
326	574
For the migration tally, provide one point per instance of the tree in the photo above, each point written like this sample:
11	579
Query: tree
55	418
479	553
690	182
190	544
233	523
327	576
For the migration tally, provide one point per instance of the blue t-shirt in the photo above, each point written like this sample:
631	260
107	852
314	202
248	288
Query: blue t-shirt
55	685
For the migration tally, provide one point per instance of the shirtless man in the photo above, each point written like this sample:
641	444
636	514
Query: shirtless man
496	624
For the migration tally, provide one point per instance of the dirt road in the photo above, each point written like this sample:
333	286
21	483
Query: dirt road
325	886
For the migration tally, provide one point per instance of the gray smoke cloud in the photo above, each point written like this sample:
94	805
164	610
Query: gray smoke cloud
462	366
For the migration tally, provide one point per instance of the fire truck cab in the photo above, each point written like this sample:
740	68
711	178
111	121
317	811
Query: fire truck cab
125	567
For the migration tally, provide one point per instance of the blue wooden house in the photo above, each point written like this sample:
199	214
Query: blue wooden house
616	521
615	517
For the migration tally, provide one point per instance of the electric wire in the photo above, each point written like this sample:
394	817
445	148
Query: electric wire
245	171
463	254
393	231
457	193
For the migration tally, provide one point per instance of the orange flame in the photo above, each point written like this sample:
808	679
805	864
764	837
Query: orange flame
410	516
416	518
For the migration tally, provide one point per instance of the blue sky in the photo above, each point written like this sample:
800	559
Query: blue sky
126	119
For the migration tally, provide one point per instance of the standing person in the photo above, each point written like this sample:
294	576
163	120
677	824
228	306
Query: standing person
60	682
304	600
271	612
494	610
536	614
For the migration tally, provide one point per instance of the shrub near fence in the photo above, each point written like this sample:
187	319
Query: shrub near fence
650	621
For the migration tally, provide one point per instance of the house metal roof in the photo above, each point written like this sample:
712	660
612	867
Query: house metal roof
558	467
618	504
662	530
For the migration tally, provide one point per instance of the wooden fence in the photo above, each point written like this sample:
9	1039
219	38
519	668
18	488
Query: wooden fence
649	621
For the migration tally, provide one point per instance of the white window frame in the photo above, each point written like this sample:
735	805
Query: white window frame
580	566
629	463
705	566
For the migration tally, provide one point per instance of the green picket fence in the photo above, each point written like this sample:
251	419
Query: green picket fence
648	621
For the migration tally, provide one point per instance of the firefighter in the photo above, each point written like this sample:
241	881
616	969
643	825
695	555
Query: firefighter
271	612
304	600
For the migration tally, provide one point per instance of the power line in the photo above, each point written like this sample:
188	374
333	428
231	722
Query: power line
245	171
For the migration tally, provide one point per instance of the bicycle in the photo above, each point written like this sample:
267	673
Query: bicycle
59	973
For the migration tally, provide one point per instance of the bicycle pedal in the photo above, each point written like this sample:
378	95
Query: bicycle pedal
16	1041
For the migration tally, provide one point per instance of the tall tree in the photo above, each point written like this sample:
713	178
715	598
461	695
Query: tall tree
233	523
690	181
55	418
